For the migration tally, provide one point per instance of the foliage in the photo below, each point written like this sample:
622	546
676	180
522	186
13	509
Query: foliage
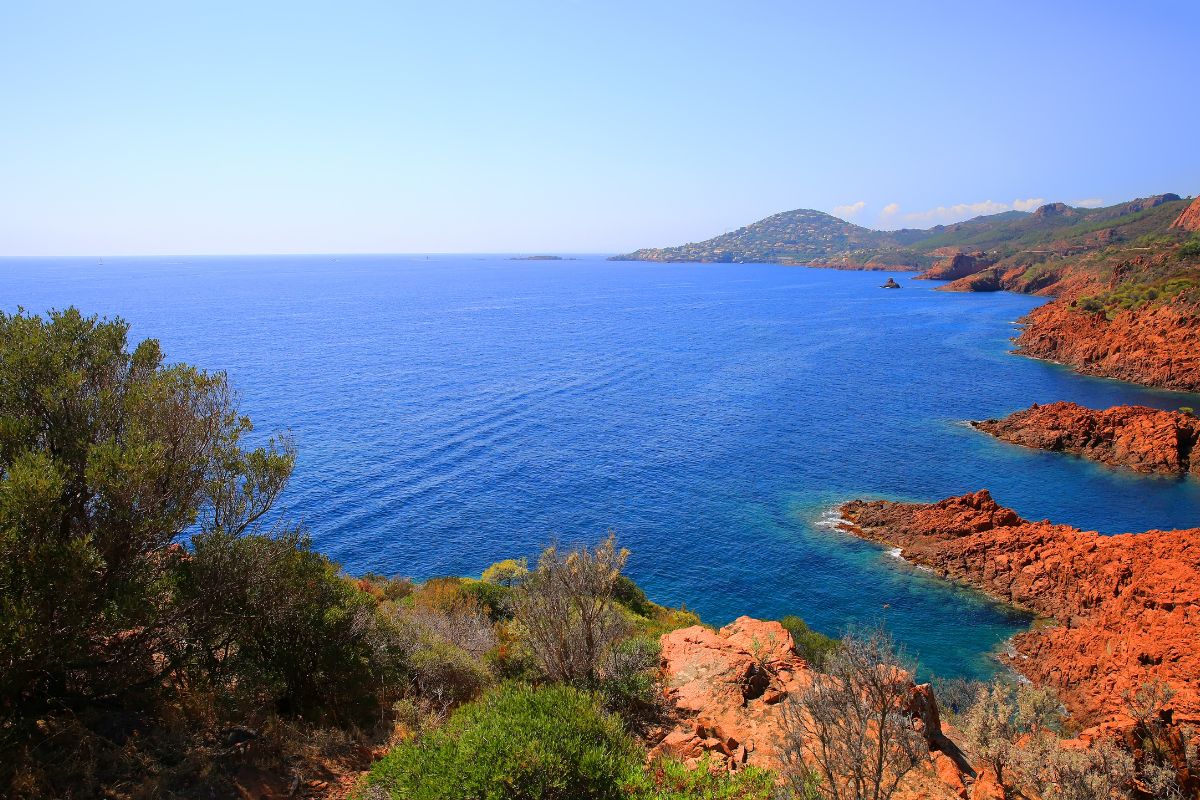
111	461
106	458
813	647
508	573
848	736
628	683
668	779
1190	249
515	743
566	611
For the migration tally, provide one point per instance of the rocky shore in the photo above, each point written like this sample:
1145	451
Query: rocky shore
1126	607
1139	438
1157	345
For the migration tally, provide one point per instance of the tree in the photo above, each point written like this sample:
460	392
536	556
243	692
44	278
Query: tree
565	610
107	457
507	573
849	733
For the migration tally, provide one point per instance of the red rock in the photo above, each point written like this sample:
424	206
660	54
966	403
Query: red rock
1128	605
1153	345
726	690
1189	220
1140	438
957	265
726	687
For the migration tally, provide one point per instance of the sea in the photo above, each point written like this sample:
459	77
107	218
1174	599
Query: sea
451	411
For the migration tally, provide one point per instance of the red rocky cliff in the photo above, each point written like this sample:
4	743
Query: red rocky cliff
1140	438
1127	606
1189	220
1155	345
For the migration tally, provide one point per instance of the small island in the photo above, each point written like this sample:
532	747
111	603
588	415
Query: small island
891	284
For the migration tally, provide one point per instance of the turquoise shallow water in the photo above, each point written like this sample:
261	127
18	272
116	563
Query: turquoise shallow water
452	411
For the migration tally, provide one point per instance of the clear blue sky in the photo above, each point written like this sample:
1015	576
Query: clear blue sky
240	127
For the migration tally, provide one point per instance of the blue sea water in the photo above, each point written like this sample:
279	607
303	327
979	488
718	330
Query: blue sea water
452	411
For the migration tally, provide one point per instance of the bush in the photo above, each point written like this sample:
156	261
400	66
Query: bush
667	779
813	647
446	674
630	595
566	613
516	743
629	684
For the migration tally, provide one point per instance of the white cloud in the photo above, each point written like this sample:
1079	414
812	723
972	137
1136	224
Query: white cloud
1088	202
850	210
890	209
1028	205
955	213
943	215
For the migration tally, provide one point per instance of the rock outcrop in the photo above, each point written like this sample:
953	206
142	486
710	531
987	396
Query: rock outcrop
727	692
1127	606
1157	345
727	687
1137	437
1189	220
957	265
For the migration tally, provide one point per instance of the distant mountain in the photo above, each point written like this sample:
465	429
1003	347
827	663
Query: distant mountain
803	236
812	237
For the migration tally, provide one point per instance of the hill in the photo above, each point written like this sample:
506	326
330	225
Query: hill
803	236
1126	277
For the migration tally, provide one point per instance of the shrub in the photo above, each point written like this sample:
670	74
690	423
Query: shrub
515	743
276	620
668	779
630	595
813	647
445	674
565	611
847	736
507	573
629	685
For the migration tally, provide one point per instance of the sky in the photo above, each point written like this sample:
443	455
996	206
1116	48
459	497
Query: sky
578	127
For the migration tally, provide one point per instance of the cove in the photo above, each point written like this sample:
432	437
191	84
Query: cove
454	410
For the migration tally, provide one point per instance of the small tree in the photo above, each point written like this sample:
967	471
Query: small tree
507	573
990	729
566	614
850	729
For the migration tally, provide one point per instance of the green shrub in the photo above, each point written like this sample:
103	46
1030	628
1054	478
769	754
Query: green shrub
813	647
276	620
629	685
1190	249
667	779
508	573
446	674
630	595
516	743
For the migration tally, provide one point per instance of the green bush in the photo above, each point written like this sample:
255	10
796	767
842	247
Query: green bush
629	685
1190	249
813	647
447	674
667	779
516	743
276	620
630	595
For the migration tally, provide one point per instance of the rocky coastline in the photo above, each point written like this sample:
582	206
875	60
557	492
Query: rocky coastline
1135	437
1122	611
